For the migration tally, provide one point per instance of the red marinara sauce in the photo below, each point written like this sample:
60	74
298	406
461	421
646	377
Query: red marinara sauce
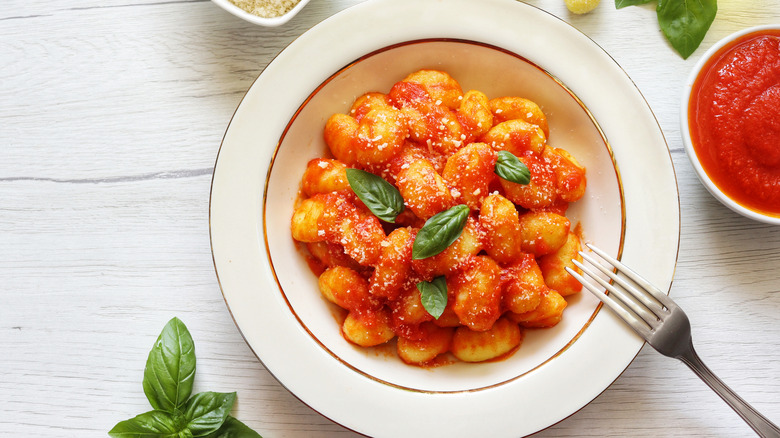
734	119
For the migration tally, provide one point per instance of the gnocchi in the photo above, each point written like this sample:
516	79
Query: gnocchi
439	148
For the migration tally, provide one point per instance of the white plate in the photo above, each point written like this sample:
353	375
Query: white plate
631	208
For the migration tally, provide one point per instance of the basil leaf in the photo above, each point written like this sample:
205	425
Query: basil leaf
623	3
206	411
380	196
233	428
439	232
170	368
685	22
433	295
147	425
510	168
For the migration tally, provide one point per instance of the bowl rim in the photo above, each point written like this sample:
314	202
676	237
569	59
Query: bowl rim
705	179
262	21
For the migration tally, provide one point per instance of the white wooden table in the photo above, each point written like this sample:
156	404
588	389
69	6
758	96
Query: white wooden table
111	114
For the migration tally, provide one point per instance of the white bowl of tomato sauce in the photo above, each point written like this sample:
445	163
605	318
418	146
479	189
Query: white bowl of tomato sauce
731	122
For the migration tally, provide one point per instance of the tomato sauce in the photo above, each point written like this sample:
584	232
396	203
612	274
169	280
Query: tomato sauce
734	116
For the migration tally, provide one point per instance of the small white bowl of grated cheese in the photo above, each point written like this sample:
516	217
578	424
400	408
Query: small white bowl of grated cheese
263	12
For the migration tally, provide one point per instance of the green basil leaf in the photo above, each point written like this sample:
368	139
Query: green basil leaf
439	232
380	196
206	411
623	3
510	168
170	368
686	22
433	295
153	424
233	428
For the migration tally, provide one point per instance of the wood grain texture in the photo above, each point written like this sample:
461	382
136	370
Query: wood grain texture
112	114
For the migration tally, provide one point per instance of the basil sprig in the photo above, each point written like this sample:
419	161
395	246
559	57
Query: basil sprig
168	381
510	168
439	232
684	23
433	295
380	196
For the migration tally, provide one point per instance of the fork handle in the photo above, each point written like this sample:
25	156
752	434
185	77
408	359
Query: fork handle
763	427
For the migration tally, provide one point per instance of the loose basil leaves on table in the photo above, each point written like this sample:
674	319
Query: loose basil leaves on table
433	295
439	232
380	196
510	168
684	23
168	381
170	368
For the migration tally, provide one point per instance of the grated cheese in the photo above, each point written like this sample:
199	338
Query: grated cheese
266	8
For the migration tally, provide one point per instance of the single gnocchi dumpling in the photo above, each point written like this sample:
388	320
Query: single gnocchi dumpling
407	313
470	172
305	222
440	87
500	222
372	141
367	102
524	285
477	293
569	175
380	135
392	270
367	329
472	346
339	135
433	342
428	100
547	314
543	232
554	266
323	175
516	136
540	192
333	217
423	189
326	254
347	289
475	115
511	108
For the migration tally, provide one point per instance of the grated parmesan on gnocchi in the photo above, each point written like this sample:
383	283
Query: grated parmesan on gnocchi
504	272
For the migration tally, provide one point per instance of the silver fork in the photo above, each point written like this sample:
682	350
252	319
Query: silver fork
663	324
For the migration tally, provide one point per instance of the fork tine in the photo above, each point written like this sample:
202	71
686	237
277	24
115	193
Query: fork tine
627	294
648	303
636	278
615	305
